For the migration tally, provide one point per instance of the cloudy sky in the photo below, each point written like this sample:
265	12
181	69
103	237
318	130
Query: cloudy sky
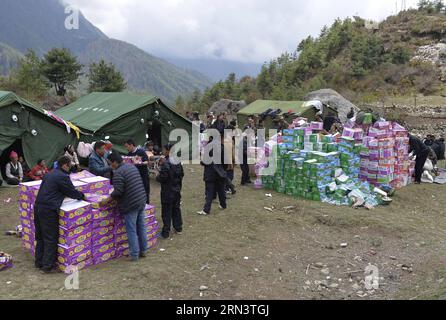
238	30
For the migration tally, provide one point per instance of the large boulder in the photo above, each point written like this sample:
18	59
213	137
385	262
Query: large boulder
334	100
229	106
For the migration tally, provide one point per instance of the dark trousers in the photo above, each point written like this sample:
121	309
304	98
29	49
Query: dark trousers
245	174
230	177
46	223
13	181
419	165
171	214
146	182
212	188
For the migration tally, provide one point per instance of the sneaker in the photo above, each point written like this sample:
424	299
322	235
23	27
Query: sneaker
165	236
221	208
48	271
179	232
143	255
202	213
133	259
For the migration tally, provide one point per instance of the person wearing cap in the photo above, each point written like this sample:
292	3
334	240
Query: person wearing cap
171	178
14	170
55	187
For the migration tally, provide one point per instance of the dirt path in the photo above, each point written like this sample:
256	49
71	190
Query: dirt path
248	252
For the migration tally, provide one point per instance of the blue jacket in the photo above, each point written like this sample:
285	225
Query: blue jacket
98	165
56	185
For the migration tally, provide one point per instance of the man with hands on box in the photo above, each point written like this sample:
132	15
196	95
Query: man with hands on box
55	186
131	197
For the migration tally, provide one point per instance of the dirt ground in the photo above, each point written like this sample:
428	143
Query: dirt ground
248	252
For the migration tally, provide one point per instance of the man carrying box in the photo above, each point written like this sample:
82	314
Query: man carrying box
55	186
143	165
131	196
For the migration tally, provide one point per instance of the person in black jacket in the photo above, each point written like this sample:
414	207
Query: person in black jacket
131	196
421	151
246	179
171	178
55	186
215	182
143	167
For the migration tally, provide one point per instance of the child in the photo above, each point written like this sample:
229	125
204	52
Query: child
39	171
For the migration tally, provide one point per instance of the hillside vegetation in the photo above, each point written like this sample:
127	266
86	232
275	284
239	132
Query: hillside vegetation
362	61
40	26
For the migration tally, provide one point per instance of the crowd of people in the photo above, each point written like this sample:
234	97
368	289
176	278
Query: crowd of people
131	181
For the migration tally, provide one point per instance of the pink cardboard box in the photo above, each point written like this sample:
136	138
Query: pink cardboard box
73	237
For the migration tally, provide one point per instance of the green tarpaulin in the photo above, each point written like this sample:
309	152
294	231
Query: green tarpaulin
19	118
121	116
260	106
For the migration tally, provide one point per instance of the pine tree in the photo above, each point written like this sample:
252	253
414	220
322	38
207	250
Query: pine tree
104	77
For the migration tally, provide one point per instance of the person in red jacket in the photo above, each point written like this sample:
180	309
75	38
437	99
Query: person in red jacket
39	171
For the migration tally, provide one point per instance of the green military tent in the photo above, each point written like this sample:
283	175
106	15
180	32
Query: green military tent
30	131
120	116
295	108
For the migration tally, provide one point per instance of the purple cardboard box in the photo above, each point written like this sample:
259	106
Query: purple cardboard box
150	209
103	248
74	214
119	230
26	206
104	257
98	185
81	175
103	223
69	268
73	237
120	239
73	260
150	219
73	251
80	186
152	227
97	199
102	240
102	214
123	250
99	232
